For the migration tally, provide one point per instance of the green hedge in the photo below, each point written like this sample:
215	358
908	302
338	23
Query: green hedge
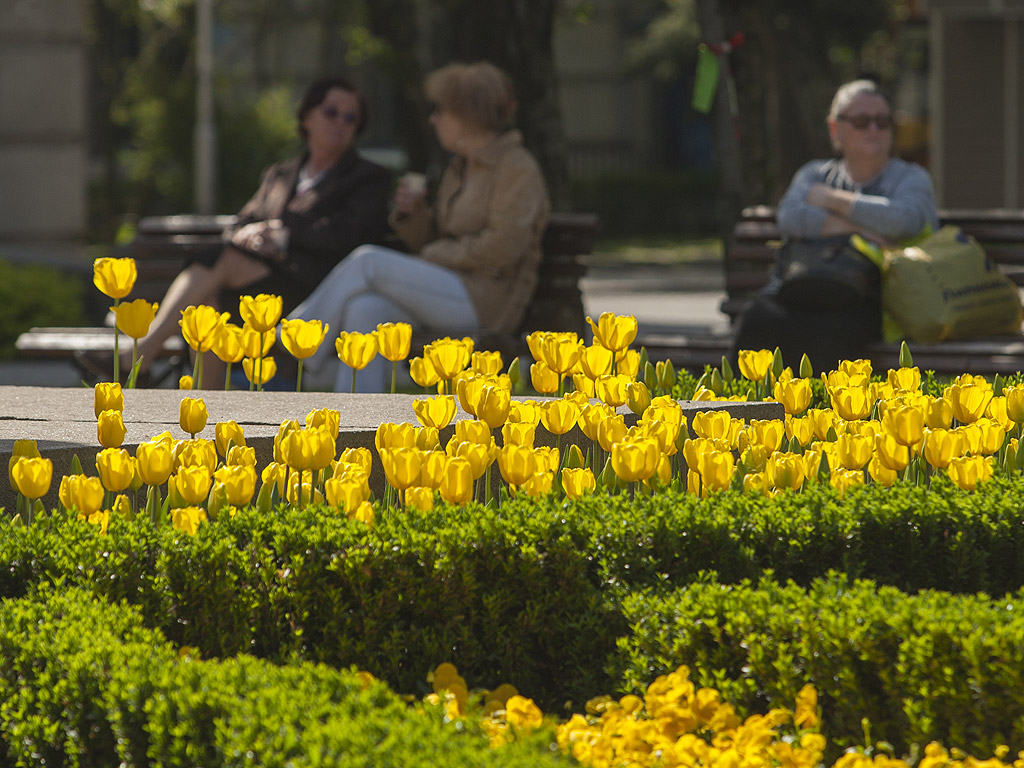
919	667
84	683
528	594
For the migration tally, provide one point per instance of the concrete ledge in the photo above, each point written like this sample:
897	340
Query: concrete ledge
63	423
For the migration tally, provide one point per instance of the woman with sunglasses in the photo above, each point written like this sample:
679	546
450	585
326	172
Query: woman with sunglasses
864	190
307	215
474	252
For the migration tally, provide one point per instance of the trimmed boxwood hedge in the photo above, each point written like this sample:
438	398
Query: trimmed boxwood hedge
84	683
920	667
531	593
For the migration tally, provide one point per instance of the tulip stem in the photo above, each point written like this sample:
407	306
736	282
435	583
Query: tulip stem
298	377
117	346
353	381
227	378
259	388
394	376
135	362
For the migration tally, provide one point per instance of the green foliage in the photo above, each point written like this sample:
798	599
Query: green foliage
36	296
84	683
919	667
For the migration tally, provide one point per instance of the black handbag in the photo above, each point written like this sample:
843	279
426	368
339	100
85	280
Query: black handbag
826	275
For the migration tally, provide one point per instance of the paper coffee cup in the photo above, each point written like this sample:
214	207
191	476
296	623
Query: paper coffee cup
415	183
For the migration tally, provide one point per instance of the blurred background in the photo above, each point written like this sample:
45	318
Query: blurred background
111	110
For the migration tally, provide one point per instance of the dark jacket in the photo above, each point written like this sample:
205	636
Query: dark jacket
347	208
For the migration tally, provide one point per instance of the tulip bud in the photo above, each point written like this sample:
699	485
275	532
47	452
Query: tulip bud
727	374
107	397
513	373
906	359
666	375
110	429
192	415
777	364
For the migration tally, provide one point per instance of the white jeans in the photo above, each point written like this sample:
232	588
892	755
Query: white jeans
378	285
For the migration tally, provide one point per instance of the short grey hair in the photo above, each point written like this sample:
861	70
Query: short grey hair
849	91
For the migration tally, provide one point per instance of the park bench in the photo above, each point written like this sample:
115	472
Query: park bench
162	244
750	258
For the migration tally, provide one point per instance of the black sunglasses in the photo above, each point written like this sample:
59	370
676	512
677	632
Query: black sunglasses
860	122
332	113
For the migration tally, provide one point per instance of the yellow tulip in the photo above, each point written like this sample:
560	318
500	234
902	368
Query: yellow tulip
997	412
851	403
905	379
107	396
486	363
755	457
794	394
1015	403
548	458
906	423
185	383
192	415
448	357
193	483
801	428
256	343
355	349
259	371
199	452
345	493
614	332
845	479
274	474
301	494
627	363
114	277
785	470
188	519
518	433
584	386
610	431
116	468
855	451
227	344
755	483
716	470
32	476
423	372
596	361
524	411
591	418
133	318
324	446
361	457
418	497
992	436
517	464
715	425
635	460
432	468
890	452
475	431
577	482
938	413
560	351
302	338
326	419
364	513
611	389
638	397
539	484
155	462
543	379
768	432
402	466
457	481
559	416
298	448
968	401
239	482
82	493
110	429
665	433
200	326
226	432
240	456
262	312
394	340
755	364
493	405
390	435
968	471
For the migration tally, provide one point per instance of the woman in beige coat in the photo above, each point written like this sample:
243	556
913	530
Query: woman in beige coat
476	249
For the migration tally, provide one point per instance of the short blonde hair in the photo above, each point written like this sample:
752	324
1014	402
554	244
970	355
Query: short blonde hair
849	91
479	94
